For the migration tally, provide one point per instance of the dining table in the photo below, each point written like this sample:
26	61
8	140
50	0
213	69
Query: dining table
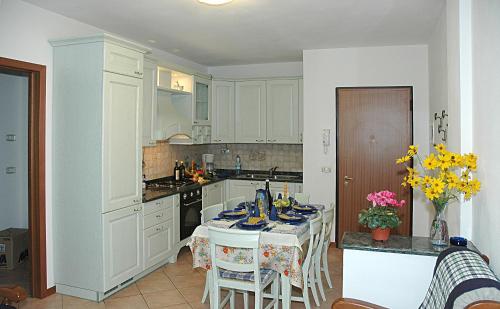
281	249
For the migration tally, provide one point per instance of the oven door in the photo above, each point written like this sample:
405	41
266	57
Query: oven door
190	218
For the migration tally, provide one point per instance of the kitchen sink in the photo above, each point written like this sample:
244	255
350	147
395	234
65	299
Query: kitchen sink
266	176
285	177
256	176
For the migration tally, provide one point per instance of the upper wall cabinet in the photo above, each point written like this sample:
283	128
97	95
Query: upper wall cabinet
257	111
282	111
202	98
223	112
250	112
123	61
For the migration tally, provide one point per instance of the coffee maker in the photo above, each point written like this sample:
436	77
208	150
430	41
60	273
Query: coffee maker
207	161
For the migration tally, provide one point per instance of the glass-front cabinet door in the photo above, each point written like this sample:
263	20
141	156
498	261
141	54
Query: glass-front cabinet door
202	101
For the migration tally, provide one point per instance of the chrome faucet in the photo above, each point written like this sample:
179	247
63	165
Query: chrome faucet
272	170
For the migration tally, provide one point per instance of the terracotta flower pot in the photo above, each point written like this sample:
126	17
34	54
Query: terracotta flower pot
381	234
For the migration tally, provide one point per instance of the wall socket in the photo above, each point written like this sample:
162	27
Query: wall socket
326	169
10	170
10	137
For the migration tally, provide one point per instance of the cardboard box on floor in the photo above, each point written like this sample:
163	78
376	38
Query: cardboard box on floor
13	247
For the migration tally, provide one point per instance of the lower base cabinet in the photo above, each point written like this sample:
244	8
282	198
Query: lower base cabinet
159	230
123	245
158	243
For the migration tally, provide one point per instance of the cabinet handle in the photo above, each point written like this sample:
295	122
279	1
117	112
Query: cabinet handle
159	216
138	73
195	122
137	209
158	229
259	140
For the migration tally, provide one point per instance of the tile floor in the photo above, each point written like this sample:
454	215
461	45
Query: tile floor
175	286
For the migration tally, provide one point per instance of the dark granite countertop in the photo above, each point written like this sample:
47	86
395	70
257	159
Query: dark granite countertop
395	244
149	195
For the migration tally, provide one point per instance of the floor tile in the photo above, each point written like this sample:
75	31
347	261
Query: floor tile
193	294
164	299
154	284
183	281
129	302
131	290
70	302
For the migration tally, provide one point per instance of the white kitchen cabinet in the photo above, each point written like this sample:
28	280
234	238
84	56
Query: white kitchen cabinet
250	112
282	111
202	101
158	243
301	111
244	188
201	134
149	103
223	124
122	245
97	133
127	61
213	194
122	146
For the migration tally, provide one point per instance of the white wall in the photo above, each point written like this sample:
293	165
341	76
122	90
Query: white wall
282	69
326	69
24	31
486	94
14	120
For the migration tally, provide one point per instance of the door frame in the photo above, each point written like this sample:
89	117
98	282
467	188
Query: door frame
337	135
36	169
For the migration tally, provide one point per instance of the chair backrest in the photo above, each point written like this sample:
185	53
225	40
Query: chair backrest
315	232
210	212
302	198
232	203
238	239
328	216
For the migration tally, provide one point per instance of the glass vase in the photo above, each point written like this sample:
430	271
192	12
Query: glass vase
439	228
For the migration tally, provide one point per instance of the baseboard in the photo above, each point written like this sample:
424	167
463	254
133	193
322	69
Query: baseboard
49	292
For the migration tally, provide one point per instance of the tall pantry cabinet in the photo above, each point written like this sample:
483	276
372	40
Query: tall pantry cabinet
97	138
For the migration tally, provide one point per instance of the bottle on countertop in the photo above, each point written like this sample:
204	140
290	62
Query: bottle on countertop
182	171
177	171
268	193
238	164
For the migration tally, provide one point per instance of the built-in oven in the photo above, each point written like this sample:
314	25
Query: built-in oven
190	216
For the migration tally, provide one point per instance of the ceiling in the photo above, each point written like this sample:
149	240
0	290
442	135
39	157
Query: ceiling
256	31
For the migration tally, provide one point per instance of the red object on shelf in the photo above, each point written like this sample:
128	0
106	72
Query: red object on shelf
381	234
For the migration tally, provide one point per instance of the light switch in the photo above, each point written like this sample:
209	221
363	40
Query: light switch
10	137
326	169
10	170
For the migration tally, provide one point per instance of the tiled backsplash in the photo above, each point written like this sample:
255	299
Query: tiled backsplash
159	160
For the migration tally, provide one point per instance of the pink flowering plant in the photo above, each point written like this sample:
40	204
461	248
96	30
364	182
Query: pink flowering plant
383	211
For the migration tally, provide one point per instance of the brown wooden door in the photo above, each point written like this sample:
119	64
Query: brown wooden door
374	128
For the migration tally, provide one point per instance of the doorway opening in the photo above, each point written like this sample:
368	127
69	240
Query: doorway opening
374	128
35	77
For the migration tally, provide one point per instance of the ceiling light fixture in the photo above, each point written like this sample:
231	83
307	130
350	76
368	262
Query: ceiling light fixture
214	2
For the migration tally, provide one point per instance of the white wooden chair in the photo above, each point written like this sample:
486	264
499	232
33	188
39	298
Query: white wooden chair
239	276
315	232
302	198
232	203
321	256
206	215
210	212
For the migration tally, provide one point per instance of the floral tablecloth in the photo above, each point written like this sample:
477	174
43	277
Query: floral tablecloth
280	248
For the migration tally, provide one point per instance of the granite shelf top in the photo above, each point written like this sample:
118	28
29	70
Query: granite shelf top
395	244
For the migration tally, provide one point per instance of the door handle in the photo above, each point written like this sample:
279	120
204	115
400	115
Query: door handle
347	180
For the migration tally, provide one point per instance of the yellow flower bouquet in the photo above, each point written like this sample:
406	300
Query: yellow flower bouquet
443	177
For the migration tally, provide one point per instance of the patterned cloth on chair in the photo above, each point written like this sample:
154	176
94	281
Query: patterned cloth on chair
461	277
